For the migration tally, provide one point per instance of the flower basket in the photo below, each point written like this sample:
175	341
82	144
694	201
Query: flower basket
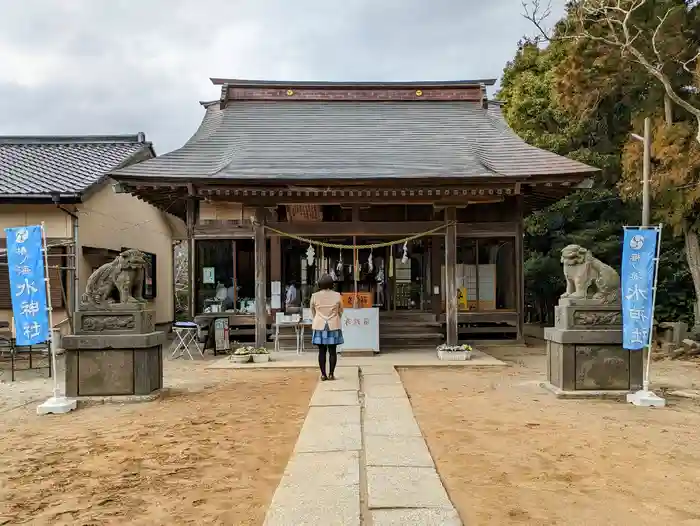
454	353
241	355
260	354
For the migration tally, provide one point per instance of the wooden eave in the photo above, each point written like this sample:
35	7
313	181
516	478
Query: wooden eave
170	196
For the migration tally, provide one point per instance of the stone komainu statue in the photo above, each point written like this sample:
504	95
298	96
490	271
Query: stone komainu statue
125	275
587	277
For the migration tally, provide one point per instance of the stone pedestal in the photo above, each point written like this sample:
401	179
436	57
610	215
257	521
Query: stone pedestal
114	353
584	351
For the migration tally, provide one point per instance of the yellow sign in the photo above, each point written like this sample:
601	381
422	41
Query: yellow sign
462	299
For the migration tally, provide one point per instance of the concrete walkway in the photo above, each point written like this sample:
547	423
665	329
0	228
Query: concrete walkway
361	459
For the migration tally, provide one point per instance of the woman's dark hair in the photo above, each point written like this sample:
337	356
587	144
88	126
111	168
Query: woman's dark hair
325	283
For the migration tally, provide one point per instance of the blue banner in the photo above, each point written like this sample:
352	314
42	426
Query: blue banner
638	267
25	261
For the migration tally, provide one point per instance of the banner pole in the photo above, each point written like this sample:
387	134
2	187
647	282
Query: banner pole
645	383
56	404
644	397
49	308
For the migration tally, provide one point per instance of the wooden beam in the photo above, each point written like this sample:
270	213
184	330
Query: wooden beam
356	198
451	276
390	229
191	256
520	271
260	279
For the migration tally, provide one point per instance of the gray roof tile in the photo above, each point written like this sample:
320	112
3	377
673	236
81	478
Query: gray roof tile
315	140
32	166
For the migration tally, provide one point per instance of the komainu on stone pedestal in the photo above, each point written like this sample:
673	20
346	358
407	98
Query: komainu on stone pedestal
115	351
118	283
584	348
589	278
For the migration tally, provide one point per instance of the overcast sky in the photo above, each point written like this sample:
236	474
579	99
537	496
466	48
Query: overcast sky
124	66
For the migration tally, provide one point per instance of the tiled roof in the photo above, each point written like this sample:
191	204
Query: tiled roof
359	140
40	166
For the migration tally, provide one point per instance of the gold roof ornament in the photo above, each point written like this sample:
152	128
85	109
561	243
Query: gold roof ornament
290	92
419	93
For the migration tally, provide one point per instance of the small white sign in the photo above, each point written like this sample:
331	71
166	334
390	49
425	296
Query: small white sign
276	288
208	275
276	302
360	330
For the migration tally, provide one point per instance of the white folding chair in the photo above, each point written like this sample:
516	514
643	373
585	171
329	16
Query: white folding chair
185	335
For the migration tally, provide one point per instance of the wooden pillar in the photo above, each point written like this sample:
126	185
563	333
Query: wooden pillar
234	261
520	270
451	276
276	266
476	274
435	276
355	270
260	279
191	252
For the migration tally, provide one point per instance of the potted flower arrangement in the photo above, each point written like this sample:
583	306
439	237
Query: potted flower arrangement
260	354
454	352
240	355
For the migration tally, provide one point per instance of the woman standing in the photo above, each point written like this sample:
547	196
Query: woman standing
326	310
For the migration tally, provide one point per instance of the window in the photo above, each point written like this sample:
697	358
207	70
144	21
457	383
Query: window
149	279
58	277
150	283
213	271
486	274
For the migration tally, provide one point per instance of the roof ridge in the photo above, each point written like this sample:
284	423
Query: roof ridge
350	83
138	138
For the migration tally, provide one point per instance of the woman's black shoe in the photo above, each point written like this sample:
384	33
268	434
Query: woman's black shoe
324	378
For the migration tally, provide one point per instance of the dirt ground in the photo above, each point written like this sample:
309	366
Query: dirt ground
209	452
511	454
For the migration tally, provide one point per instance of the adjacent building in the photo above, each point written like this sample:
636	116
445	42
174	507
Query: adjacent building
64	183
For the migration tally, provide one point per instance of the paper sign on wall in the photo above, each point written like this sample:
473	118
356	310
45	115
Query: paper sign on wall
208	275
276	288
276	302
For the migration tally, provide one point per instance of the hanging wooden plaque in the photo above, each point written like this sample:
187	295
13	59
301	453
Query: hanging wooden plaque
304	213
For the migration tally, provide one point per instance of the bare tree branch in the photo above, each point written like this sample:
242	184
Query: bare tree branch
655	36
537	15
690	61
617	16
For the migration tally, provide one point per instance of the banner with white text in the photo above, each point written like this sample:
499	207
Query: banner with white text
25	260
637	281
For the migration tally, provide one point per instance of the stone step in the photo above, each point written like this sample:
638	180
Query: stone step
409	316
358	353
409	323
405	336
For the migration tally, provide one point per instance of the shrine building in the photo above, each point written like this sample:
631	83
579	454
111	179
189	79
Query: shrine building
410	194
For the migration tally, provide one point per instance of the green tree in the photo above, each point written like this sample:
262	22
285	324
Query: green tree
532	107
649	48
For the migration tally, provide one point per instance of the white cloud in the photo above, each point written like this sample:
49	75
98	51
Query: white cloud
120	66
